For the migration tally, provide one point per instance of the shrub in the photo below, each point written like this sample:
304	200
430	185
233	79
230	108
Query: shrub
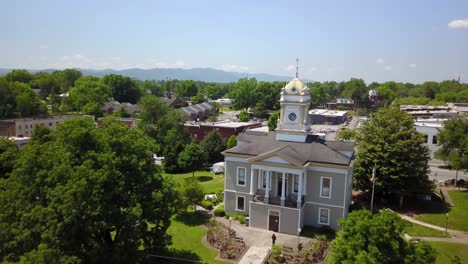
276	254
207	204
237	217
219	211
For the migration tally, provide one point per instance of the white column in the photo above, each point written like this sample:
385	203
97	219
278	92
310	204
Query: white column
252	182
299	192
283	187
267	189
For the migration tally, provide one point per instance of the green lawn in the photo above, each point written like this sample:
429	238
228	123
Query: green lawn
413	229
446	251
458	213
210	182
187	235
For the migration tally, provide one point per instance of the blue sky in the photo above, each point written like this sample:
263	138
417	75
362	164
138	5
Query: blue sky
410	41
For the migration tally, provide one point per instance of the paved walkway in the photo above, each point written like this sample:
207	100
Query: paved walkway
259	240
456	235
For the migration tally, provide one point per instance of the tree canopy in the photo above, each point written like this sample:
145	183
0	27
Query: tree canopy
88	194
192	158
453	142
17	99
390	142
377	238
122	88
8	154
213	145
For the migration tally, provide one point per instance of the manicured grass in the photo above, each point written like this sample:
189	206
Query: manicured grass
187	234
210	182
413	229
458	213
446	251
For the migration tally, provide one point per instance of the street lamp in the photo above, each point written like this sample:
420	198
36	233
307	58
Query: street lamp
373	185
298	239
446	223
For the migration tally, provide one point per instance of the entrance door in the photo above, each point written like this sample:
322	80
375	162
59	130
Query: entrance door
280	184
273	221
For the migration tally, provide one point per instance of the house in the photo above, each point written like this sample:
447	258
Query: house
173	101
287	179
23	127
197	112
115	106
198	130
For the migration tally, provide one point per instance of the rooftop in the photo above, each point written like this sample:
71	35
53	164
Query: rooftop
228	124
313	150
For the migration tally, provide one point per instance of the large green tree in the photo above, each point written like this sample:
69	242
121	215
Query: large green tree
357	90
213	145
18	99
377	238
192	158
89	195
19	76
122	88
453	142
389	142
8	154
243	93
87	90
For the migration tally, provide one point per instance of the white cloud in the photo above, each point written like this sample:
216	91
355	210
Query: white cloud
412	65
312	69
380	61
459	23
388	68
178	64
290	67
233	68
43	46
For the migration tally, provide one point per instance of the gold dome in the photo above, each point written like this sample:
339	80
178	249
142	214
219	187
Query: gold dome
295	86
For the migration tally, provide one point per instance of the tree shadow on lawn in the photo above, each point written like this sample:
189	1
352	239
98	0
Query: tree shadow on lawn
416	206
175	256
411	205
193	218
205	178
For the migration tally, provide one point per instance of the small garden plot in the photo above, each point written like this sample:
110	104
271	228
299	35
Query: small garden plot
224	239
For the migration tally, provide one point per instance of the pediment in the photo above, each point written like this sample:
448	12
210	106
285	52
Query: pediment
275	159
284	155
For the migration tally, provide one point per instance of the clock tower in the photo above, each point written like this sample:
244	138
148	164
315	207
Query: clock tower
294	124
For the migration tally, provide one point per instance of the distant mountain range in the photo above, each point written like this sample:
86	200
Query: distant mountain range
196	74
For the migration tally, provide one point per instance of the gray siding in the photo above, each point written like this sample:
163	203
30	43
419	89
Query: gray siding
289	217
230	200
231	176
337	188
311	214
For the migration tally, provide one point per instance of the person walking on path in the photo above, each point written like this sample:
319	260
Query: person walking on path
273	239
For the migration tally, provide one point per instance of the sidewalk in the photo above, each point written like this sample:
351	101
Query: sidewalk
456	235
259	240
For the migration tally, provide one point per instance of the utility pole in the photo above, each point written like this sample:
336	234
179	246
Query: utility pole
373	186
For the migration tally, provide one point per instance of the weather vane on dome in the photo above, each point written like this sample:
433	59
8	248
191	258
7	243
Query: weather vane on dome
297	67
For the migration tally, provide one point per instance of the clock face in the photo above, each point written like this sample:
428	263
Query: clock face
292	116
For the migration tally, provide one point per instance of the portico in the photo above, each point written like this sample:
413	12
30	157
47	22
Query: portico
277	185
